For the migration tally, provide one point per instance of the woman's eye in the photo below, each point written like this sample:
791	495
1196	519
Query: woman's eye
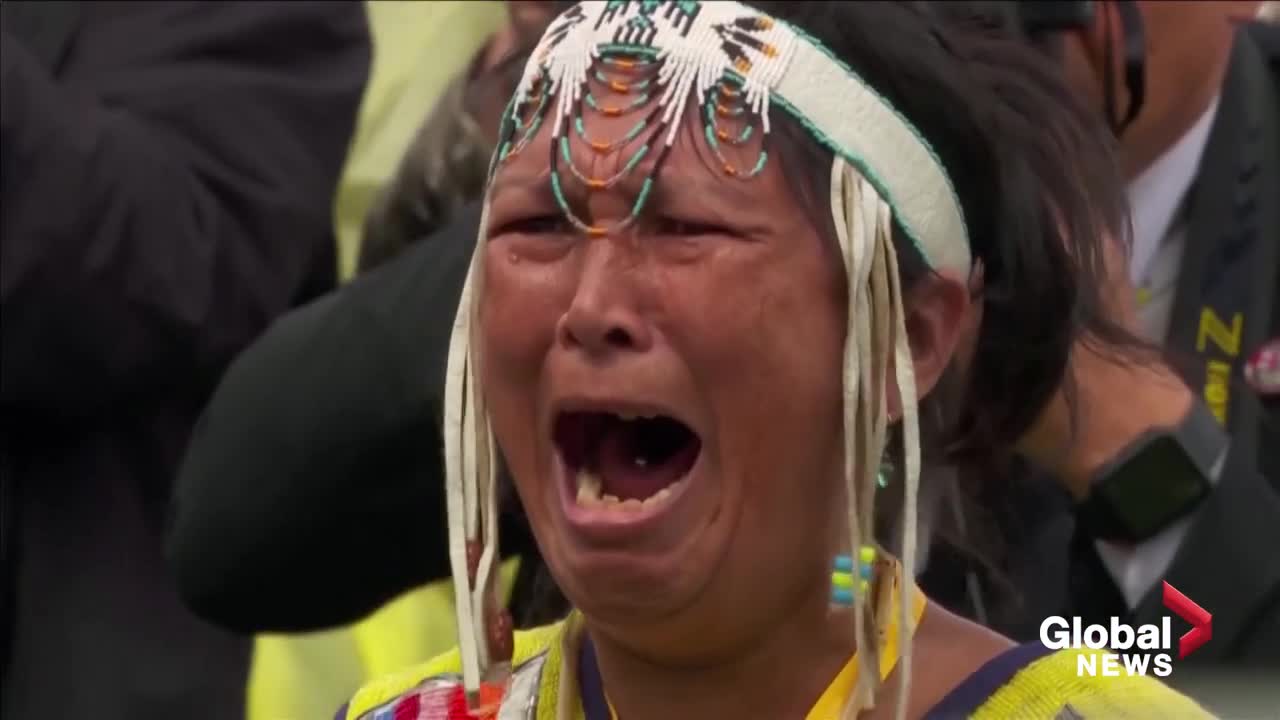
536	225
688	228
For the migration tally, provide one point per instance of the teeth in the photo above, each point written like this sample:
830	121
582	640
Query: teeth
588	488
658	497
641	461
590	494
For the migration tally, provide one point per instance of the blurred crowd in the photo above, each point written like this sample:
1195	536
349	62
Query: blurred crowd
232	239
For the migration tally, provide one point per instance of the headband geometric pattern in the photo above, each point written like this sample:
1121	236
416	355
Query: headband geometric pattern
738	64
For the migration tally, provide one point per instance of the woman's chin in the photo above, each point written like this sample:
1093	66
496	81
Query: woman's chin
616	585
625	591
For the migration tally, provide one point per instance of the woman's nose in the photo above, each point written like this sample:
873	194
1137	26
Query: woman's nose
605	316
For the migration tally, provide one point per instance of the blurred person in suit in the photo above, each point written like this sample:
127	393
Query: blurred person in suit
1168	474
167	172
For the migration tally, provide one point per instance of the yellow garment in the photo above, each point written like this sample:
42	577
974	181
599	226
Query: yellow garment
1050	689
418	47
831	703
554	639
528	644
1047	689
300	677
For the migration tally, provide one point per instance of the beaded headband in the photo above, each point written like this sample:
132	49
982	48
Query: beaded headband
652	57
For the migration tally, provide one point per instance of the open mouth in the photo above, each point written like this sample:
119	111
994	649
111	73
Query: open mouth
623	461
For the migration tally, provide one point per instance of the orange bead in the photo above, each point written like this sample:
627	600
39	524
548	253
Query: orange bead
490	702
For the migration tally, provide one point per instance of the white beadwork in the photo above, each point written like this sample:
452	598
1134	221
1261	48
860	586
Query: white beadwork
691	62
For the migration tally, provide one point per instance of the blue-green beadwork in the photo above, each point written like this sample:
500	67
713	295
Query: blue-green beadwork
714	136
636	102
724	137
600	147
605	184
631	64
613	84
592	230
518	125
562	152
536	116
844	584
884	474
724	100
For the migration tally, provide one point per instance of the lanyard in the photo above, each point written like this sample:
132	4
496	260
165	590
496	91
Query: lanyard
1222	310
594	704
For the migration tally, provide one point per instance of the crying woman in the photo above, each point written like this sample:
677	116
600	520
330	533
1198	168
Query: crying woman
728	250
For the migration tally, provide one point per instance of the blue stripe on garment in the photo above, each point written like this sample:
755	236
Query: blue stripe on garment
591	686
976	689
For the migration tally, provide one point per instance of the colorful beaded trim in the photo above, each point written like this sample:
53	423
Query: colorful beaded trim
647	59
843	581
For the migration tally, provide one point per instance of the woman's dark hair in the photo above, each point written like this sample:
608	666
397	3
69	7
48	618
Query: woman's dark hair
1041	194
1037	180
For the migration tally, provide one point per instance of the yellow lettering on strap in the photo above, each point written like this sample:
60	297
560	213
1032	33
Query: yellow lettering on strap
1212	328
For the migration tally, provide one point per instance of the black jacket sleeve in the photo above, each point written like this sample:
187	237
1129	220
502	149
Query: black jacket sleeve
1228	565
167	191
312	491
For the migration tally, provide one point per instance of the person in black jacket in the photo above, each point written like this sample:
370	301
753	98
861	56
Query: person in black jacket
166	177
1168	474
429	201
354	441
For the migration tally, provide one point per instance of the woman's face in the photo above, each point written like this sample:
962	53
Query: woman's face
667	397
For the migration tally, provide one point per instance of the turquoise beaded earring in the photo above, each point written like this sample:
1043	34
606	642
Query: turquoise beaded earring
886	472
842	577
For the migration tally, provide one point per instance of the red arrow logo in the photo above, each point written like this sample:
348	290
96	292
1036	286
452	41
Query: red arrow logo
1201	621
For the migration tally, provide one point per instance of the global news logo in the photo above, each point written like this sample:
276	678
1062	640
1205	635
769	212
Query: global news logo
1117	638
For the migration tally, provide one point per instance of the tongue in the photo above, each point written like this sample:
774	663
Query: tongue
621	476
